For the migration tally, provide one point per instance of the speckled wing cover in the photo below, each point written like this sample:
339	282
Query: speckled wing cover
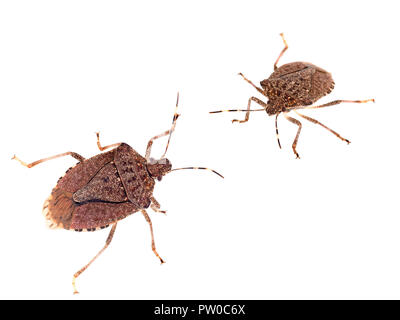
301	81
89	196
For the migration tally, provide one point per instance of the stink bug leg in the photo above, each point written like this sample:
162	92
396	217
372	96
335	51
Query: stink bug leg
108	241
322	125
106	188
32	164
246	118
153	244
332	103
106	147
156	206
282	52
297	123
293	86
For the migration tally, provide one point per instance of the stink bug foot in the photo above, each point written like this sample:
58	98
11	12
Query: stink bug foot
155	206
290	87
104	189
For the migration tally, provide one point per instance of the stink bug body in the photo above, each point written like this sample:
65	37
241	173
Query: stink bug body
293	86
106	188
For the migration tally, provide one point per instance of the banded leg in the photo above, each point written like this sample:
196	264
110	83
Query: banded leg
297	123
324	126
277	132
246	118
168	132
332	103
153	245
108	241
105	147
282	52
156	206
30	165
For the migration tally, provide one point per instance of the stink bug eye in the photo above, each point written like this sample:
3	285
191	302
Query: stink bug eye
102	190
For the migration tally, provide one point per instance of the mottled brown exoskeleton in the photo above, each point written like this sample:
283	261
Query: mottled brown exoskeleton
106	188
293	86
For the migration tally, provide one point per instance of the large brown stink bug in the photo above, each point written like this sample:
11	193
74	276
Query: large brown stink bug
293	86
100	191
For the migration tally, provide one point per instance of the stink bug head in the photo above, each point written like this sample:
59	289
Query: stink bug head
158	168
273	108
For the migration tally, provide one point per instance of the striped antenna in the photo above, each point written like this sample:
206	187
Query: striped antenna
236	110
168	132
176	115
282	52
199	168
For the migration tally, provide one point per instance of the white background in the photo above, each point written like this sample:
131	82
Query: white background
325	226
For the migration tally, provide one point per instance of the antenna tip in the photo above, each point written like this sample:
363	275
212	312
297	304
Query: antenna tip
218	174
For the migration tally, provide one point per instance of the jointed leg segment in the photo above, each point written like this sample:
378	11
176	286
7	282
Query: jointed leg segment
297	123
105	147
30	165
332	103
153	245
256	100
156	206
277	132
282	52
324	126
253	85
108	241
248	110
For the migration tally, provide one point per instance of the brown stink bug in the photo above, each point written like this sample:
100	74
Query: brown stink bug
293	86
100	191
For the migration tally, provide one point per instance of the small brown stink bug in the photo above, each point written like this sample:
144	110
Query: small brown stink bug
293	86
100	191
